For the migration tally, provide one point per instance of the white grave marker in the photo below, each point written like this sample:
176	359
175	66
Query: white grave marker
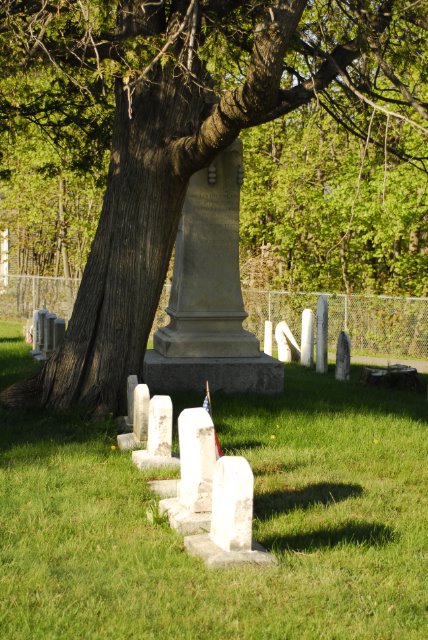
191	510
307	342
159	437
140	407
288	349
35	350
232	504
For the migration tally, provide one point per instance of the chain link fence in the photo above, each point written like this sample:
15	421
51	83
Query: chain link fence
378	325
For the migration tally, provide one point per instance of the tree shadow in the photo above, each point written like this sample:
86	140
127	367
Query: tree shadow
373	534
15	340
49	429
324	493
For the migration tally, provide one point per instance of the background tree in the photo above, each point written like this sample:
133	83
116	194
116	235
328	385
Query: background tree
174	112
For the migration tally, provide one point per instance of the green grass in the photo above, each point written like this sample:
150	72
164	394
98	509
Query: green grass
340	497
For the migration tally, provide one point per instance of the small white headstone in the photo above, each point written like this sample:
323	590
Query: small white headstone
343	356
322	335
232	504
307	343
197	454
59	332
131	383
288	349
267	348
160	426
35	330
141	412
49	332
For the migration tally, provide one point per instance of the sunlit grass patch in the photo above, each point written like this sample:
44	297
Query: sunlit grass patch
340	498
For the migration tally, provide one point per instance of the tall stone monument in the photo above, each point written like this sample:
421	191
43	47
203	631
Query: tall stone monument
205	339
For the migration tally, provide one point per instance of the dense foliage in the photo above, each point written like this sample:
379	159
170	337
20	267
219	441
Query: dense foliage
322	210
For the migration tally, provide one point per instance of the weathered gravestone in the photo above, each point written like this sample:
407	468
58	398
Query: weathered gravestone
205	339
230	538
343	357
140	406
322	335
190	512
288	349
59	332
159	436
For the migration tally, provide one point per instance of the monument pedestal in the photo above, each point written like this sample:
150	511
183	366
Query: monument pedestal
263	374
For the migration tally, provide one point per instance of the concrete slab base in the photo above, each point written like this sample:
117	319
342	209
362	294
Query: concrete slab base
263	374
215	558
143	460
183	520
128	441
41	357
164	488
35	352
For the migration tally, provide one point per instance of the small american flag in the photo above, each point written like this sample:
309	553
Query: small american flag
207	406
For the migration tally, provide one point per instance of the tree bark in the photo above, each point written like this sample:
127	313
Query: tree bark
125	272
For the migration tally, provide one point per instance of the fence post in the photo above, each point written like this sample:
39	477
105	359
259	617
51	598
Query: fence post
346	312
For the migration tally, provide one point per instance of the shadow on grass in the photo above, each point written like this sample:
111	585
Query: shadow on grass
38	426
324	493
14	340
307	392
371	534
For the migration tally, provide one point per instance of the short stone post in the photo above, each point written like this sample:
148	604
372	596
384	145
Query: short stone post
232	504
49	333
59	332
322	335
159	437
191	510
288	349
267	344
307	341
230	538
140	407
343	356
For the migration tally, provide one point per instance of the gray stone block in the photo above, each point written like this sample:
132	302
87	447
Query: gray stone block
183	520
164	488
261	375
215	558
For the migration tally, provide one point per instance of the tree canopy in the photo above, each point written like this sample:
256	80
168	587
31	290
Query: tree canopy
188	76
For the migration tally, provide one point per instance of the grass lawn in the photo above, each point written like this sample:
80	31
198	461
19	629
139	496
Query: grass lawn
341	481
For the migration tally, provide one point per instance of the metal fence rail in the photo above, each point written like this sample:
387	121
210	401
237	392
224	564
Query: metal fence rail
378	325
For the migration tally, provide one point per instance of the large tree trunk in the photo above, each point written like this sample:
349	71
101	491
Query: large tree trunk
124	276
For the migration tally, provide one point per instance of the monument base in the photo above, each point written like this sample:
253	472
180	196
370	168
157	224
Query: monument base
183	520
263	374
215	558
143	460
